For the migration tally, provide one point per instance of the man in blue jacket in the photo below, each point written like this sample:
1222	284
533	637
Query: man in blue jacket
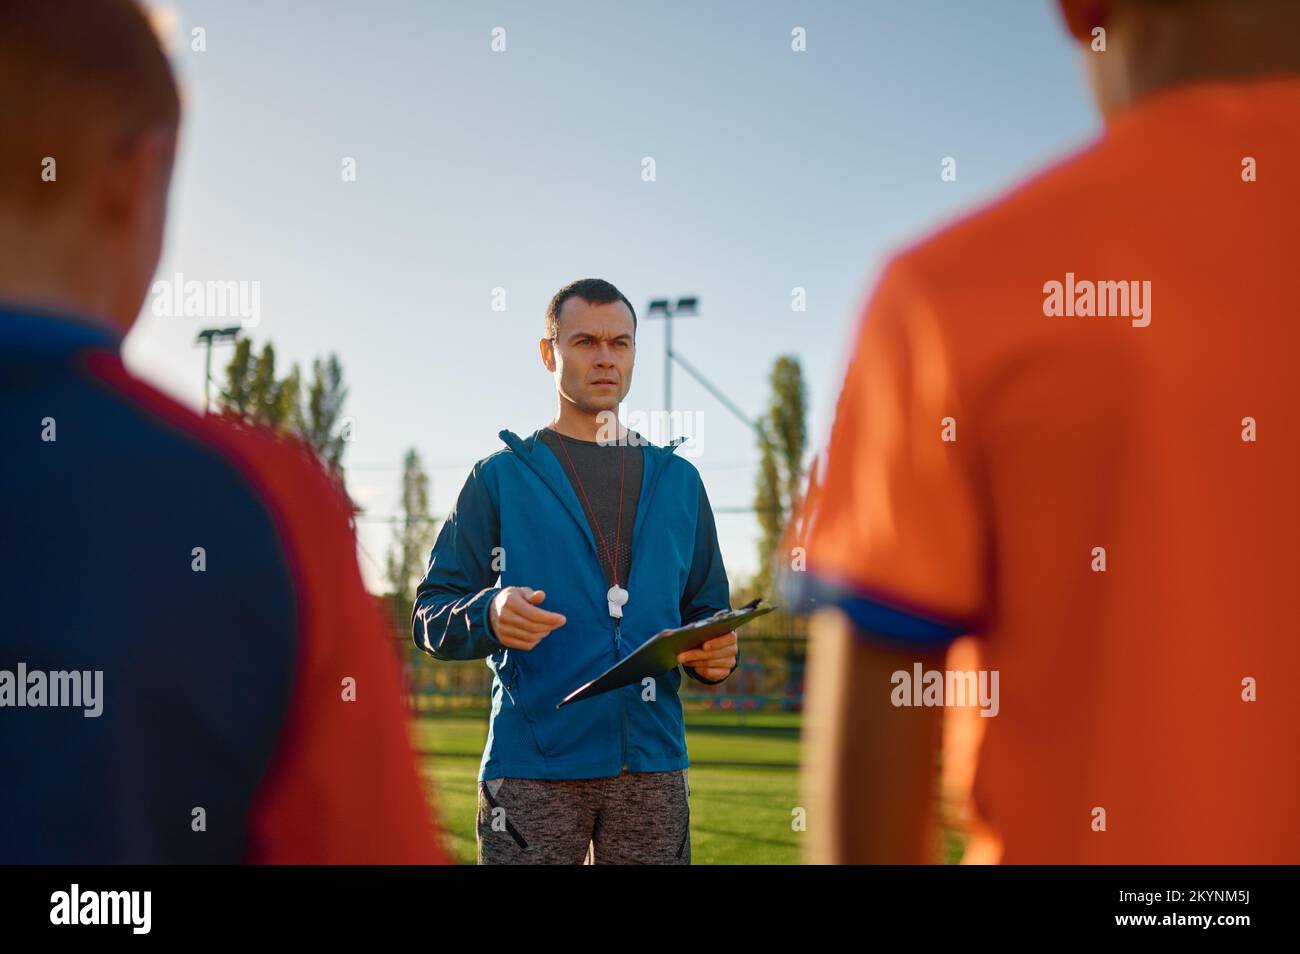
617	537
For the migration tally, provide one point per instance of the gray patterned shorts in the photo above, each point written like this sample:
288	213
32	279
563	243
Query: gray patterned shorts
637	818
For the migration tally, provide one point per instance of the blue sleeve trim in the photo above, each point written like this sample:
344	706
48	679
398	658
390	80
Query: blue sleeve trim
806	592
449	619
707	587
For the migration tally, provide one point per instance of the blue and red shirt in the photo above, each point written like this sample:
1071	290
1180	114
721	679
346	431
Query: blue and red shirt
250	704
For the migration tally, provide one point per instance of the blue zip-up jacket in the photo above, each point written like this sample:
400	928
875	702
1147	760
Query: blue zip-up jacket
518	522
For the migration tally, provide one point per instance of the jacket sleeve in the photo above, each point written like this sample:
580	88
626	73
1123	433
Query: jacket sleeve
707	589
450	616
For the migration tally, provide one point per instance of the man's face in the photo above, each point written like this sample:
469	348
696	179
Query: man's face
593	355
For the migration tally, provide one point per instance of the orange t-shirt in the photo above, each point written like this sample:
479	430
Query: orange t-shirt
1100	480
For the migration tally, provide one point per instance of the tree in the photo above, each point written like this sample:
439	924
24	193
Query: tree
782	435
288	402
413	536
263	391
254	394
235	399
322	424
788	429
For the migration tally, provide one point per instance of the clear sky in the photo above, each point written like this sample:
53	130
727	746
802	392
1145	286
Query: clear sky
522	170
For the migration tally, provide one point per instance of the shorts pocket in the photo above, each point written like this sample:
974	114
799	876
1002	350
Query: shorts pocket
497	816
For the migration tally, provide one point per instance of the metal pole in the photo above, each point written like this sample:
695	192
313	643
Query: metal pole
714	390
668	363
207	375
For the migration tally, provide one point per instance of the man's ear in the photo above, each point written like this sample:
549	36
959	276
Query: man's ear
137	178
547	348
1082	16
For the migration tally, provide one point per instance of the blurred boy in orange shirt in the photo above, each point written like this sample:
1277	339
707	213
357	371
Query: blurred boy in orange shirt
1069	427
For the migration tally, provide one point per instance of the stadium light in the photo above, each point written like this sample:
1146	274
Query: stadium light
663	308
686	307
206	337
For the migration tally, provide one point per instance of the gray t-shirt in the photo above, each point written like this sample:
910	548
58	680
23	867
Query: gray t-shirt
600	470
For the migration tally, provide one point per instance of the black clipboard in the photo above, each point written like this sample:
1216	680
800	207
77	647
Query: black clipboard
658	654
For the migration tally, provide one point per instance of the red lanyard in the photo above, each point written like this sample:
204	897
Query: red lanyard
613	568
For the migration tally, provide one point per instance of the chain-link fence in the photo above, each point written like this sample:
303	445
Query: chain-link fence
769	675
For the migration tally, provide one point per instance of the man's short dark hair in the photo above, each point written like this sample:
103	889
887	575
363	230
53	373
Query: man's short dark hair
596	291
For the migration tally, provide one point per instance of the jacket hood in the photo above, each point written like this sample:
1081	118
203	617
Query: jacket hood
656	460
524	445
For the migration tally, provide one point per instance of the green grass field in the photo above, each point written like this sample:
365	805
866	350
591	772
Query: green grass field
744	782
